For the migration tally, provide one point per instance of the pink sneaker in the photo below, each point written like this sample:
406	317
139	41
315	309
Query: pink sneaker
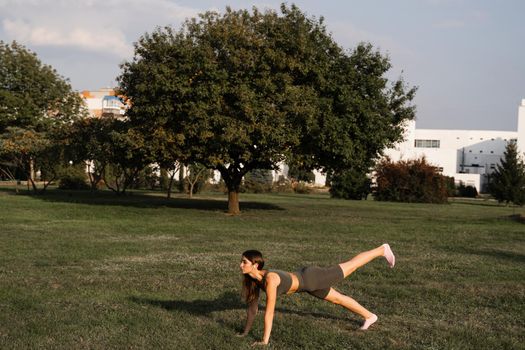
368	322
389	255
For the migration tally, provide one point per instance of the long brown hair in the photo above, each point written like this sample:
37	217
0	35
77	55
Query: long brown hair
250	286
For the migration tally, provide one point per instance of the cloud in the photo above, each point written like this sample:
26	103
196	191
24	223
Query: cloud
111	41
108	26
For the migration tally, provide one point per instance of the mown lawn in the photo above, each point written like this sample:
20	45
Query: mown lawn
79	271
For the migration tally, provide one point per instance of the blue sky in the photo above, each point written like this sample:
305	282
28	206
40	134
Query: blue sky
466	56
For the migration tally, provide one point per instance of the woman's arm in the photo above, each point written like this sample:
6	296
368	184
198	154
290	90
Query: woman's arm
272	281
251	312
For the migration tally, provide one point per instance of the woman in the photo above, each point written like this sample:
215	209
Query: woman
314	280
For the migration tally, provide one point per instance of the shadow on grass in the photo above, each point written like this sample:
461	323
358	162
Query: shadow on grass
226	301
144	200
493	253
474	202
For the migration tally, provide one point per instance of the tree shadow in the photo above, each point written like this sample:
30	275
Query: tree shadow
474	202
146	200
494	253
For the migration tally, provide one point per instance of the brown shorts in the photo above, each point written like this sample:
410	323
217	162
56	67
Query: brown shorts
317	281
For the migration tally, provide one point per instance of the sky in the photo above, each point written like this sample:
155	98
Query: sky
467	57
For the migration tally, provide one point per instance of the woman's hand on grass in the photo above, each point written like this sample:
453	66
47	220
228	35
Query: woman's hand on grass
259	343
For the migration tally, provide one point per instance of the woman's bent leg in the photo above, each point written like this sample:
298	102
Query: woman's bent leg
350	304
364	258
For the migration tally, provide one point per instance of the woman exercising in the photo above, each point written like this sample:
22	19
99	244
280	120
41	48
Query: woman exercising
314	280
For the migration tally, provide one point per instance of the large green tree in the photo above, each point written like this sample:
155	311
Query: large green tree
36	105
244	90
507	183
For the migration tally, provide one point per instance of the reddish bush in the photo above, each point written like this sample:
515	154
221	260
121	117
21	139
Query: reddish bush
410	181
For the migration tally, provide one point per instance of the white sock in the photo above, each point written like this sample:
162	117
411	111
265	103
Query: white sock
368	322
389	255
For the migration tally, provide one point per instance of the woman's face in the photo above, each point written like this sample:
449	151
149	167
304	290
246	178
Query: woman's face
247	266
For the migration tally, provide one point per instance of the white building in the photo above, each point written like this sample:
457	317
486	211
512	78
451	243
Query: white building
103	102
467	155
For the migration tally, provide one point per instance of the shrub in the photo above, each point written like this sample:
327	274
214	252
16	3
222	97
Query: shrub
466	191
73	178
451	186
301	187
282	185
216	187
409	181
350	184
258	181
147	178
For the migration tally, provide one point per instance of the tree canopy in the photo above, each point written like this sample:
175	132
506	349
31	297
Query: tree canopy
244	90
36	105
33	95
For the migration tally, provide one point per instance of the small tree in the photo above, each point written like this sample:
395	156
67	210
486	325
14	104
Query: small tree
350	184
29	150
197	174
410	181
508	180
128	155
91	143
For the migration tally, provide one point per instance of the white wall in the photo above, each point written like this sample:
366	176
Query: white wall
461	151
521	128
468	180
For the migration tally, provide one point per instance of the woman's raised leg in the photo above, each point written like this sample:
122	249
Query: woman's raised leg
350	304
365	257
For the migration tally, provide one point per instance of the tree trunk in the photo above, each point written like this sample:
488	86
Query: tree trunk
170	184
233	203
232	178
31	175
190	192
95	175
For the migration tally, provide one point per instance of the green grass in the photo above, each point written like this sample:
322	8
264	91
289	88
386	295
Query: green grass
96	272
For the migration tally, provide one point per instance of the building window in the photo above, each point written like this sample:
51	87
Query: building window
481	151
469	151
491	151
493	166
426	143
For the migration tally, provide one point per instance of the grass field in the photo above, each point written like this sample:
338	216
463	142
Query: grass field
79	271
